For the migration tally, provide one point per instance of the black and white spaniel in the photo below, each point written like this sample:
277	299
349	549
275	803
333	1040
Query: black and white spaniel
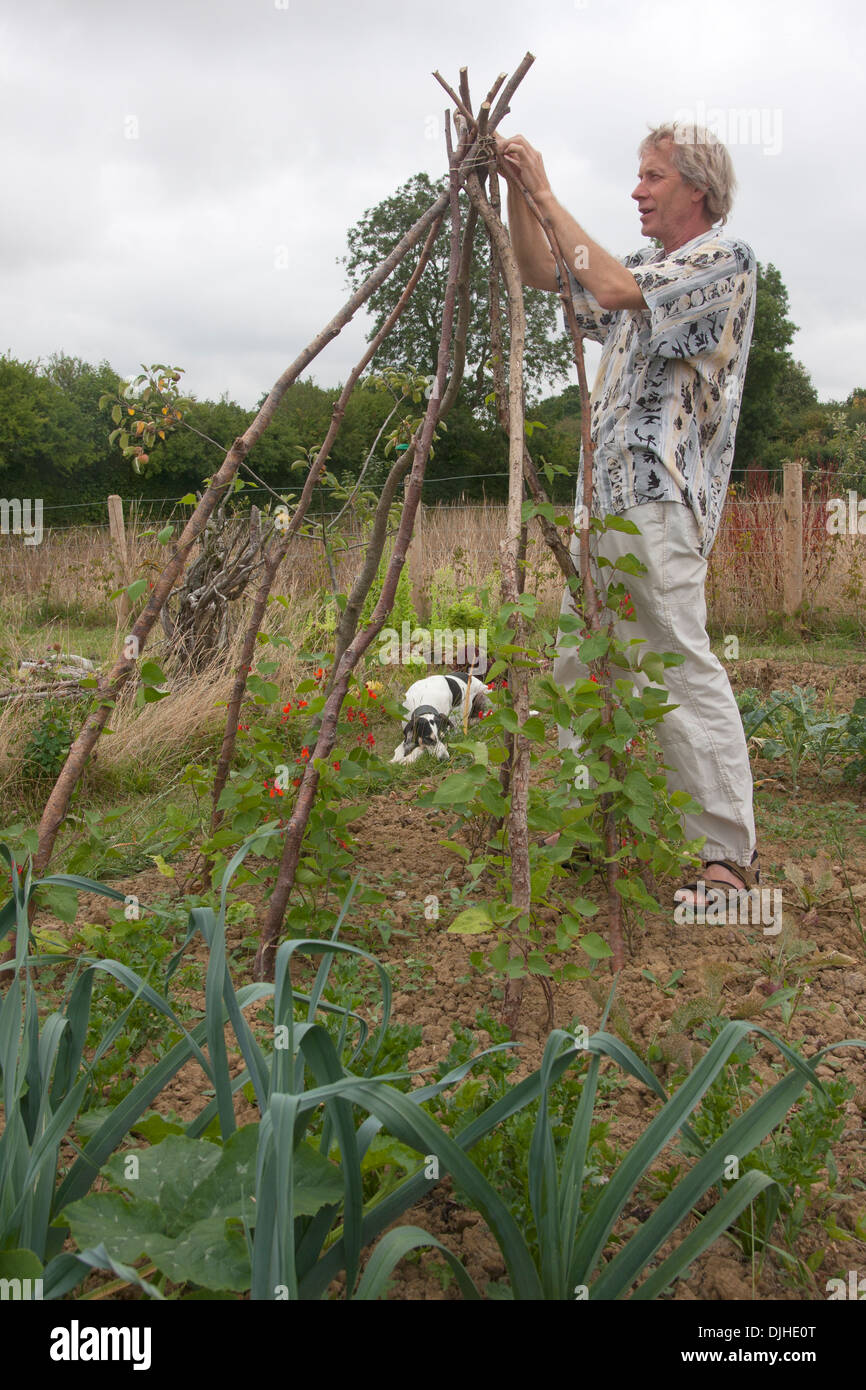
431	705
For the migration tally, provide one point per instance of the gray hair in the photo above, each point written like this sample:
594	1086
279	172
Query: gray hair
702	160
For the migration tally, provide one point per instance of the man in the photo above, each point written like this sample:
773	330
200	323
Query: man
676	326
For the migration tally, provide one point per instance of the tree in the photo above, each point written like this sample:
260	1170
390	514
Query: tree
413	342
770	367
40	429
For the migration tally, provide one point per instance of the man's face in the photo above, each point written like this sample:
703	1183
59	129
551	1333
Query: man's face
666	203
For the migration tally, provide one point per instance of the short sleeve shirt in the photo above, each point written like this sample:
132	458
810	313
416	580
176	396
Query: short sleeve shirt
666	399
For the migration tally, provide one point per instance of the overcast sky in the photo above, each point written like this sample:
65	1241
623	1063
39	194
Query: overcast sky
179	177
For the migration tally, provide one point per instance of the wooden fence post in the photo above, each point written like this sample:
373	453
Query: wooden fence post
792	520
118	537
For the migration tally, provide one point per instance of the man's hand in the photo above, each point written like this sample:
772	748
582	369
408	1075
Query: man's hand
606	278
522	161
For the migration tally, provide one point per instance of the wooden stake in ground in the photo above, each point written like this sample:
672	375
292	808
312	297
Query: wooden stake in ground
118	540
57	805
792	518
518	681
265	956
589	595
280	545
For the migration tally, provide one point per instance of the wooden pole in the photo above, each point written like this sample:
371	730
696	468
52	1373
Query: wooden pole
118	538
792	521
415	560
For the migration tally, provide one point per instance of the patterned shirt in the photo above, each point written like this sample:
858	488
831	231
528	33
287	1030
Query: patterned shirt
666	399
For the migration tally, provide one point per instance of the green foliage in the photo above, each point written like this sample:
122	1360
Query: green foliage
854	743
797	1156
455	605
46	1075
791	724
769	364
47	747
402	610
617	775
505	1151
280	1206
415	337
272	755
41	430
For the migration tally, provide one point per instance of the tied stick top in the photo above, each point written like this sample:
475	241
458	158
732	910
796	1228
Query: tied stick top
488	118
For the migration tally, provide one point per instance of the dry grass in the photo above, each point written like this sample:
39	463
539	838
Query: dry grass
70	575
746	577
54	591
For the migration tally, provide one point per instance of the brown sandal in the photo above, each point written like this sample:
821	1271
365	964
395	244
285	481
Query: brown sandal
749	878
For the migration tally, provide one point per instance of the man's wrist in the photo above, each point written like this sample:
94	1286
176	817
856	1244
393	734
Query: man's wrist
545	200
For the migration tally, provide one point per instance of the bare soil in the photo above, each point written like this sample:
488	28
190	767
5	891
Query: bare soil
399	839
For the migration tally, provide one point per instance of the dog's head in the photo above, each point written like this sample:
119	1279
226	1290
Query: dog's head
423	731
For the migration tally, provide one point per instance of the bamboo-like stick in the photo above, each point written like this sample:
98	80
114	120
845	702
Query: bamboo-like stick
500	110
489	99
591	601
279	547
265	956
57	805
518	832
465	113
352	612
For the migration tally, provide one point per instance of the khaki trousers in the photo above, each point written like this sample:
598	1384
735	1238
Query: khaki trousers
702	740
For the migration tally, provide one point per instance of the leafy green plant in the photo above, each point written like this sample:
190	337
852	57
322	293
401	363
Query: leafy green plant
307	1097
853	743
260	793
45	1079
797	1155
616	778
46	1075
798	730
48	745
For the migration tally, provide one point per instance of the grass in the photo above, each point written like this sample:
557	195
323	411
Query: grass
821	822
833	648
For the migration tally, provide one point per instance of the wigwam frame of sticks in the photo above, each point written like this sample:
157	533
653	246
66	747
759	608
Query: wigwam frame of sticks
472	164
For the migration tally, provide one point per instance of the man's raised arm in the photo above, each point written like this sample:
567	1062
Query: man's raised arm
608	281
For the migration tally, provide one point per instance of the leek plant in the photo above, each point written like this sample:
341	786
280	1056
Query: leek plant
266	1208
